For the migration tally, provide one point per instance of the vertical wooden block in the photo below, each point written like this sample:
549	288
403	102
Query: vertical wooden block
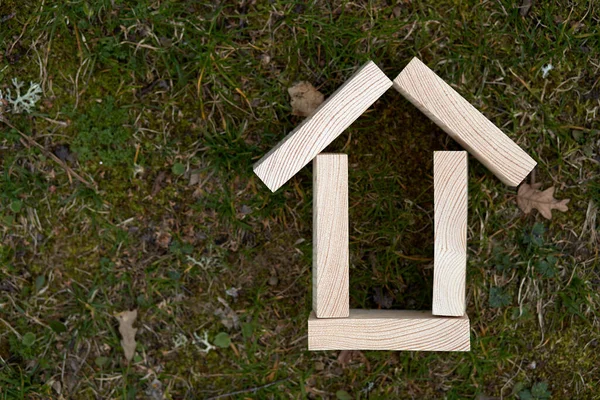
326	123
330	236
459	119
450	229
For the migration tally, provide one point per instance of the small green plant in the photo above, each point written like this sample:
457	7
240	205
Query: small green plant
535	238
546	267
102	135
16	205
343	395
57	326
25	347
28	339
502	260
180	248
499	298
573	297
101	361
539	391
222	340
109	49
178	169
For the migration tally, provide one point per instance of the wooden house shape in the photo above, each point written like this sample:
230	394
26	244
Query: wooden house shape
332	325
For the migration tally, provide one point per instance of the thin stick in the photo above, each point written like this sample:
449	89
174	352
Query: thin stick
251	390
12	329
60	162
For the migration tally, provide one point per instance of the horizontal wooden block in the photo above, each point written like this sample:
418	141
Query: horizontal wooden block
389	330
450	182
464	123
330	236
327	122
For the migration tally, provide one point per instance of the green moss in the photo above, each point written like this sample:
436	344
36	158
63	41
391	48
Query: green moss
102	136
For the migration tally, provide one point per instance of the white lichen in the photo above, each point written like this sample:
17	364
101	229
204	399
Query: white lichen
180	340
201	342
233	292
205	263
546	70
198	341
368	388
138	170
21	102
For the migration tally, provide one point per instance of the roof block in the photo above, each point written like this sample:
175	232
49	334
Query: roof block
321	128
464	123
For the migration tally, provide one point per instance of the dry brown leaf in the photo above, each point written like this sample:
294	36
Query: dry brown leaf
347	356
525	7
127	331
158	183
305	98
229	318
530	197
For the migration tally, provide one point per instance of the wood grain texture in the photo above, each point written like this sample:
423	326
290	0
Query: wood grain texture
389	330
459	119
330	236
450	187
327	122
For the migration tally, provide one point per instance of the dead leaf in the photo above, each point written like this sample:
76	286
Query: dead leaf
229	318
63	152
155	390
158	183
305	98
265	59
529	197
347	356
194	178
127	331
525	7
163	239
383	298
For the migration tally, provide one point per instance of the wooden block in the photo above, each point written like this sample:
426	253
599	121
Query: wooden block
330	236
450	181
327	122
459	119
389	330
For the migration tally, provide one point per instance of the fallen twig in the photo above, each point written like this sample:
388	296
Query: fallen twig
251	390
68	169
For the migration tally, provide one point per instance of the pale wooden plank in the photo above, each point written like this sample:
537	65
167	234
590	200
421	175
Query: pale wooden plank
389	330
450	181
327	122
464	123
330	236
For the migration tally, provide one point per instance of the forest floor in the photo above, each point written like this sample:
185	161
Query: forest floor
129	186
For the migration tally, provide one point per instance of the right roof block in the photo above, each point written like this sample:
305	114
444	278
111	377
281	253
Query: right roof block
464	123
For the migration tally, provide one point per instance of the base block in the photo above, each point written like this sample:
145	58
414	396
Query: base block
389	330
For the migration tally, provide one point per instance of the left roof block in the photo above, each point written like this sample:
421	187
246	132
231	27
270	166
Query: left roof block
321	128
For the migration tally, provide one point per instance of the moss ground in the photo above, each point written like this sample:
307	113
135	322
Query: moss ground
164	106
